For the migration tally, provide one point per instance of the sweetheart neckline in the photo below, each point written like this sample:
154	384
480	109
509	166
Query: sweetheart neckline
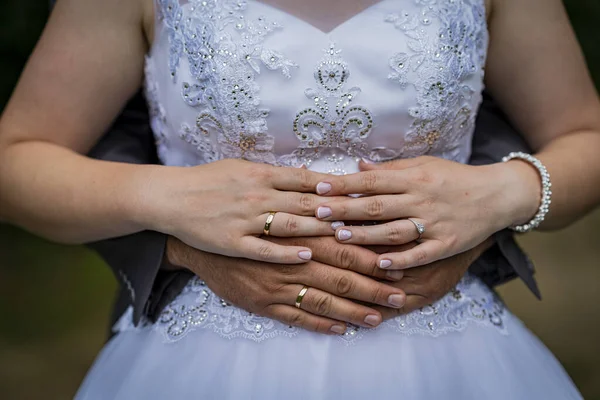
314	27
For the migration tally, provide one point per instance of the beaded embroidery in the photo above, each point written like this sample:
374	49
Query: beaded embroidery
446	41
197	307
438	66
224	53
333	128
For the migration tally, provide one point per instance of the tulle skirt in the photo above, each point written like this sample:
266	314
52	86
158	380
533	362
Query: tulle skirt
198	351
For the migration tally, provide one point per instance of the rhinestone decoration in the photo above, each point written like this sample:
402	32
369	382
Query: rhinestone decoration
440	67
197	307
224	63
334	127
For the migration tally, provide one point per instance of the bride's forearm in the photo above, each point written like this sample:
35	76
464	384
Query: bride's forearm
574	166
98	200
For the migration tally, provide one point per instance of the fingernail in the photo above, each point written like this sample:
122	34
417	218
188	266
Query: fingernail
355	195
337	224
323	188
302	166
395	275
367	161
305	254
383	264
323	212
396	300
344	234
338	329
372	320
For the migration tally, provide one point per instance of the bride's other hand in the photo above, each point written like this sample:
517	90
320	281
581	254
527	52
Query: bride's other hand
458	205
223	208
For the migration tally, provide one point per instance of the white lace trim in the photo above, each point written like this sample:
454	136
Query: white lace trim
198	308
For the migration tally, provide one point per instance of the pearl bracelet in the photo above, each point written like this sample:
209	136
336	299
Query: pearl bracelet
546	191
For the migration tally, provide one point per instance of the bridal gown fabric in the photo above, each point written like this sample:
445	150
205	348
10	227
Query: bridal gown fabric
241	79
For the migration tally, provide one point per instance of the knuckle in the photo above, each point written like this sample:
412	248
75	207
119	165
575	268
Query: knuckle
346	257
424	176
369	181
291	225
320	327
375	207
323	305
307	204
260	172
296	319
420	256
265	252
344	285
305	180
375	294
393	233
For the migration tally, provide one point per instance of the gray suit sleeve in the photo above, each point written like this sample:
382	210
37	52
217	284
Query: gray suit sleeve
134	259
494	138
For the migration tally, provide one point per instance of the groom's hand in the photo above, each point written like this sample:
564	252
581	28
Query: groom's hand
427	284
270	289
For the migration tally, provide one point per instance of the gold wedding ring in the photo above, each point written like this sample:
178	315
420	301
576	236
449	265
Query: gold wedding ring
270	218
301	296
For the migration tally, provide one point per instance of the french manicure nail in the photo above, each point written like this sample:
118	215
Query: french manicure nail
344	234
395	275
337	224
396	300
323	188
383	264
338	329
324	212
372	320
305	254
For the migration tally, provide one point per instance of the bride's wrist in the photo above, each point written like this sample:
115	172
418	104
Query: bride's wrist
150	188
519	192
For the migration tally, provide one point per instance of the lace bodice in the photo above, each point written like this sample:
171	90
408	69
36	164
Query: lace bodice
241	79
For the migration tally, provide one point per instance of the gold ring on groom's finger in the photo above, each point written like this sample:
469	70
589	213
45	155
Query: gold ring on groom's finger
270	218
300	296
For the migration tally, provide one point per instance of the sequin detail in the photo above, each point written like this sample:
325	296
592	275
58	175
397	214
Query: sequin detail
334	127
224	52
197	307
443	67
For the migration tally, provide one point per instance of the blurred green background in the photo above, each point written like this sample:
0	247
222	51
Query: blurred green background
55	300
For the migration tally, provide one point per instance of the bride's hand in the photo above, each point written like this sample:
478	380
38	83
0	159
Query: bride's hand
459	206
222	208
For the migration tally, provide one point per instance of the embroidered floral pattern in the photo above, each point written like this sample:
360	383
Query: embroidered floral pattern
224	52
199	308
438	66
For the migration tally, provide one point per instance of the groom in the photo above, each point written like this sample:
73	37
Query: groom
153	268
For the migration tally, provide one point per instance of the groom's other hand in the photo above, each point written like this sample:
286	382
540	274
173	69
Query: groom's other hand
427	284
335	295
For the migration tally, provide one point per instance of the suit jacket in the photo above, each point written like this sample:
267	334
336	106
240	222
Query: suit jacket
136	259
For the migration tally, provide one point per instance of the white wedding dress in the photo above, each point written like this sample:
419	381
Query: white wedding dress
241	79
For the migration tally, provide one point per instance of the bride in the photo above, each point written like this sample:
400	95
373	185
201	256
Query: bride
284	118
